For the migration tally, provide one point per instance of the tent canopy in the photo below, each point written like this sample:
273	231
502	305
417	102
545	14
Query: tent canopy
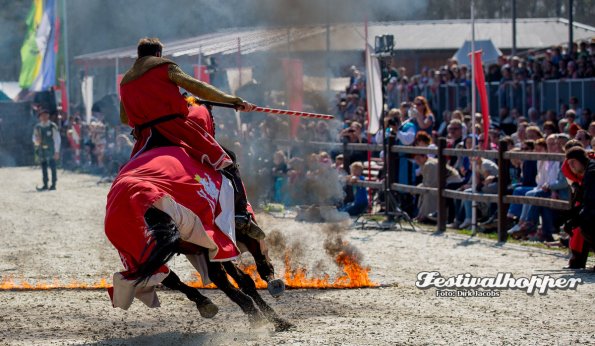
9	91
490	52
532	33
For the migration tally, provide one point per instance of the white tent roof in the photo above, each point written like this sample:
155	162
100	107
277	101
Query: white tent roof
533	33
489	52
11	89
221	42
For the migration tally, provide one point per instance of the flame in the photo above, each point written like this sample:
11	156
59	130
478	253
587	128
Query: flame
10	284
354	276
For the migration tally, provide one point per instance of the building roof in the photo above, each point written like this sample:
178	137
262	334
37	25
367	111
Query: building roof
451	34
535	33
220	42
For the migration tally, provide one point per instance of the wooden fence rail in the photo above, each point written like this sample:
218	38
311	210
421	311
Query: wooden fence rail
442	153
538	201
417	190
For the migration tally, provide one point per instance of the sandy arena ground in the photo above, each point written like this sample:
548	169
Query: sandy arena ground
59	235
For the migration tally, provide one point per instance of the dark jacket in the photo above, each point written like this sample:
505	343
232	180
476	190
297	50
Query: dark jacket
587	212
529	173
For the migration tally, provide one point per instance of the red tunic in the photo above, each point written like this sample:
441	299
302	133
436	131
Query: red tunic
146	179
201	116
152	96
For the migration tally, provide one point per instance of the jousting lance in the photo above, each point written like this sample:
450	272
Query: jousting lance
270	110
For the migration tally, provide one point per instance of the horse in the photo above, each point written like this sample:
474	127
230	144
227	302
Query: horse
164	203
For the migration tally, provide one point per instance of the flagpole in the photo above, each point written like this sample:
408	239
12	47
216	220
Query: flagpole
473	110
199	68
117	68
368	106
66	62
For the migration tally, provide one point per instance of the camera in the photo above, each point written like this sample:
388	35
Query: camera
413	112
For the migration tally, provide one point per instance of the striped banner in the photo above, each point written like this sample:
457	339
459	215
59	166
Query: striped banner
40	47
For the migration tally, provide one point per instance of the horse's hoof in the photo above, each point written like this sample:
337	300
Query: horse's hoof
282	325
207	309
276	287
257	320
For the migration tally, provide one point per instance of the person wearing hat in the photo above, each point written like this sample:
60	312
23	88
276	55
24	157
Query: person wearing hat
46	138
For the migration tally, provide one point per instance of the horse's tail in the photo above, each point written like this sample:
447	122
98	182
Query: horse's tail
164	238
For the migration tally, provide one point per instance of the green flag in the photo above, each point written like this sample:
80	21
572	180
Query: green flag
30	54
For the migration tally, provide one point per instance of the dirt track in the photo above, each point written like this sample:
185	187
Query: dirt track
59	235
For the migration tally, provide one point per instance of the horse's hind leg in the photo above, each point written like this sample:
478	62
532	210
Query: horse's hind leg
205	306
247	286
219	277
276	287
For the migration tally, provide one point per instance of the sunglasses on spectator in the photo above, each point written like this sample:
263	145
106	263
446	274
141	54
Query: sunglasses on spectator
418	104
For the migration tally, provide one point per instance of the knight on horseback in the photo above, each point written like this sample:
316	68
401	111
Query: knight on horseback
152	104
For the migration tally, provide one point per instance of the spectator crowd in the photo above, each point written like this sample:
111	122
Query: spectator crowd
93	147
507	71
410	119
313	167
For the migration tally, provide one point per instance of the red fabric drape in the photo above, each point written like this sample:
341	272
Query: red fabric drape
118	81
200	73
64	96
294	81
483	95
146	179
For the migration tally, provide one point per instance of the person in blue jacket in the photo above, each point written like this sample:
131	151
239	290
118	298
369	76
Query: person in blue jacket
360	201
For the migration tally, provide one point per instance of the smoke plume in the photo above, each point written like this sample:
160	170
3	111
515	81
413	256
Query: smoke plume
335	245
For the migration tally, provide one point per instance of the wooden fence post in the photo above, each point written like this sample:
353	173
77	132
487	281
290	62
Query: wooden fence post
391	173
441	185
346	156
503	179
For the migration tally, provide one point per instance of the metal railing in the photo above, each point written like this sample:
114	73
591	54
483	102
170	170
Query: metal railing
522	95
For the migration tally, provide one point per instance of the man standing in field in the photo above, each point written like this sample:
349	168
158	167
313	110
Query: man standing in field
46	138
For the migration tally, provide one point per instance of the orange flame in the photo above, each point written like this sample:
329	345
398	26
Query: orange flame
10	284
354	276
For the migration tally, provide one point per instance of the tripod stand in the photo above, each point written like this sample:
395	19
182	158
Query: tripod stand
392	211
392	207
